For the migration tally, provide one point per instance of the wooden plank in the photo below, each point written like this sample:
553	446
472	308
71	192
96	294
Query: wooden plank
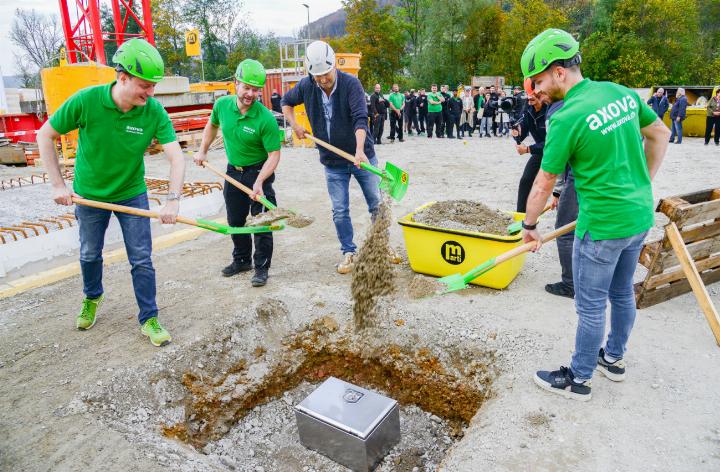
647	298
698	250
697	233
698	197
697	213
672	276
696	283
648	253
715	194
671	205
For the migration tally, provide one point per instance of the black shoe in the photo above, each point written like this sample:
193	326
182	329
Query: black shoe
614	371
563	383
459	137
561	289
235	268
401	140
260	277
488	136
706	144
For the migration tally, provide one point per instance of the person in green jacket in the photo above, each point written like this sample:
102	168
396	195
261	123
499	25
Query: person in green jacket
599	132
116	123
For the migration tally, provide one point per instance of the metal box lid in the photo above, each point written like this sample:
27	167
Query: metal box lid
347	407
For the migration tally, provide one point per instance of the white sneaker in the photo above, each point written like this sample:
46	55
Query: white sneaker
346	265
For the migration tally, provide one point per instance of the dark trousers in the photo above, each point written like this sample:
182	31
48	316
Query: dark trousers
434	119
526	181
453	123
422	120
567	212
396	125
238	206
411	121
378	128
710	122
445	122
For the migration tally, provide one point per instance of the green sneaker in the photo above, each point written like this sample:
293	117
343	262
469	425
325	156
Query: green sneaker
157	334
88	315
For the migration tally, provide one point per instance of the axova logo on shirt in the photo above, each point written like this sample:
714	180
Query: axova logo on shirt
248	129
133	130
610	114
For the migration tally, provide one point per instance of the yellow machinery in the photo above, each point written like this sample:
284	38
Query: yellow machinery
59	83
694	124
213	87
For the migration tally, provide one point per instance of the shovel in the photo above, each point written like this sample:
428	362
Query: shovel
517	226
393	180
275	214
456	282
200	223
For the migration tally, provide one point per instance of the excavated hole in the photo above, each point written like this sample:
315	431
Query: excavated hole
447	388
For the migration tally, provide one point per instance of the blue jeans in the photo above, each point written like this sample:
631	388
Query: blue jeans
676	129
603	270
93	223
338	184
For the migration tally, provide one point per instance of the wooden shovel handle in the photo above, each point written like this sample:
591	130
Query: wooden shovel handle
330	147
528	246
236	183
130	210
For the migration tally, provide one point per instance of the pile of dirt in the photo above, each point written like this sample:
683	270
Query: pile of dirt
372	275
422	286
291	218
464	215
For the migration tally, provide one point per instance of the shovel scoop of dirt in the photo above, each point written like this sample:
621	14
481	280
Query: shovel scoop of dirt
269	217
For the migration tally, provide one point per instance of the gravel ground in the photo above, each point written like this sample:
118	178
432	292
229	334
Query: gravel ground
57	385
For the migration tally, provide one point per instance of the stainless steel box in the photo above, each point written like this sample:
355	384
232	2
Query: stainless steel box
350	425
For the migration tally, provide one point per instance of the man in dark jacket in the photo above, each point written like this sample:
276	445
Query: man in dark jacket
533	124
378	113
422	109
678	113
659	103
335	106
445	112
519	105
411	119
455	108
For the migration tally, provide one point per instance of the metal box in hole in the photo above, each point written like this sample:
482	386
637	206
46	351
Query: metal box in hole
350	425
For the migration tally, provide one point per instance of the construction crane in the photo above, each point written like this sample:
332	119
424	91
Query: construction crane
82	27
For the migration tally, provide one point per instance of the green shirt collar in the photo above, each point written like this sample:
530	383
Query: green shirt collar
252	111
108	102
577	88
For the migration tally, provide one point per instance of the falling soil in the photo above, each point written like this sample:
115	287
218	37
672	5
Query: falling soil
268	217
464	215
422	286
372	276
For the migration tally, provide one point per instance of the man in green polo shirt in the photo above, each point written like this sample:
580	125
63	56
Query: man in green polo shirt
434	118
116	123
396	101
252	144
599	131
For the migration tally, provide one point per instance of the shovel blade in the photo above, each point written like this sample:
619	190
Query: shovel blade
453	282
394	182
225	229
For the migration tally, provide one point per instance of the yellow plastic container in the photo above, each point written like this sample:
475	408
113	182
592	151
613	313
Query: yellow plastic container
441	251
348	62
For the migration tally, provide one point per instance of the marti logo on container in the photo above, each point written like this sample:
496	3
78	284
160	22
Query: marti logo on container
610	111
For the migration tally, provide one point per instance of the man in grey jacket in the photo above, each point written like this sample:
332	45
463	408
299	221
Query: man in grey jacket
678	115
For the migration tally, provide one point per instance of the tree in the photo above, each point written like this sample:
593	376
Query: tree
376	33
483	33
37	36
525	20
169	28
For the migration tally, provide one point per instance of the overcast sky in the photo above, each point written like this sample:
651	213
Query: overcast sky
283	17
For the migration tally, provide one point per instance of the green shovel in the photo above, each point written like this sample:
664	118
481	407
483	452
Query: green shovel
393	180
517	226
456	282
200	223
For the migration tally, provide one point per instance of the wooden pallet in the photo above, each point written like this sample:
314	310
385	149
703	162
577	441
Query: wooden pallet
687	257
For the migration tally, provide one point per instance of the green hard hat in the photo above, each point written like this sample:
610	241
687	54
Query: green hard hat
251	72
549	46
140	58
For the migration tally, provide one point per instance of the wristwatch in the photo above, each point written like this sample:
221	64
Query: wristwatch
528	227
172	196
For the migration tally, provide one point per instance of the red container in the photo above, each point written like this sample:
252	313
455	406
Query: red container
21	127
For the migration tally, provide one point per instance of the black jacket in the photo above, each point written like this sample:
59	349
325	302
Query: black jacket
490	108
444	104
411	105
378	105
349	114
679	108
422	104
275	100
534	123
455	106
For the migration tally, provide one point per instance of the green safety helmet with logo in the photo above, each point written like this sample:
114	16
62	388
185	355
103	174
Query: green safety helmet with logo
139	58
251	72
549	46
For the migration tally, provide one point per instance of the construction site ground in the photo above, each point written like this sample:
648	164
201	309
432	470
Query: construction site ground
56	381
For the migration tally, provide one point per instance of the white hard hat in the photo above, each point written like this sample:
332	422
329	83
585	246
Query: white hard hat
319	58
